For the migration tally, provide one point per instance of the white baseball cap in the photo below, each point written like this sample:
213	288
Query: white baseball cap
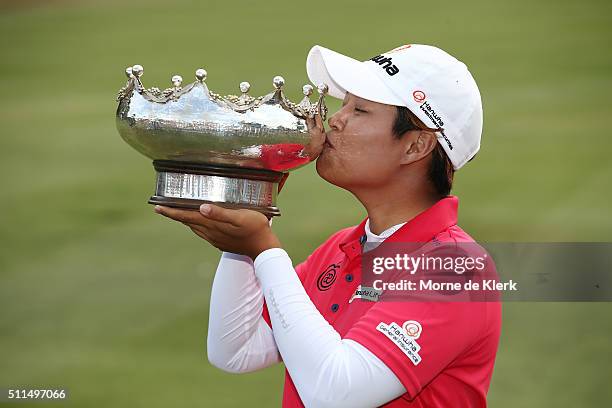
435	86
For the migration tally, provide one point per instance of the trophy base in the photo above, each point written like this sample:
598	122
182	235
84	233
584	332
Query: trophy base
189	185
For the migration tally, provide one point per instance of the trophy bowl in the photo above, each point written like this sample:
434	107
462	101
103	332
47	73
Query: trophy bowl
233	151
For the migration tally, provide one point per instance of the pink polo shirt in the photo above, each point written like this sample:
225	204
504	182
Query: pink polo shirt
457	340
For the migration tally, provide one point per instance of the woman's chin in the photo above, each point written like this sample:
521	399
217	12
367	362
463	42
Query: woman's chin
326	172
323	170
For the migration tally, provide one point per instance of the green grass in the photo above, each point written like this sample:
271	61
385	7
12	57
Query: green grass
103	297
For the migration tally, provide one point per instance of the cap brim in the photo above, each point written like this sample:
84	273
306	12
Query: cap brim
343	74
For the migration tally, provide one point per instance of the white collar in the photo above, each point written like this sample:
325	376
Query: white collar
373	240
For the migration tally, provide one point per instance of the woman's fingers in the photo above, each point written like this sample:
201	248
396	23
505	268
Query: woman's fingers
182	215
199	233
310	123
216	219
319	123
317	137
315	124
212	233
207	238
221	215
216	239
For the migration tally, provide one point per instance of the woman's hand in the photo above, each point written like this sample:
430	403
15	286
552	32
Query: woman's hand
245	232
317	137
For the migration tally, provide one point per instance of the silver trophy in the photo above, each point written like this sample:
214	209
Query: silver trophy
235	151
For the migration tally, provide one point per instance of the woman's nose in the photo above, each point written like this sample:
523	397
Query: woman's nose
335	121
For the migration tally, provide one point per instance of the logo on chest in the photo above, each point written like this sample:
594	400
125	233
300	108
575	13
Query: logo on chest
327	278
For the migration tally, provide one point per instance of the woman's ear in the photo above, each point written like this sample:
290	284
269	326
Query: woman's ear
418	145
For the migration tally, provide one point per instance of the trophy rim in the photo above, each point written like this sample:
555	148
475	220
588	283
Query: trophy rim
189	204
218	170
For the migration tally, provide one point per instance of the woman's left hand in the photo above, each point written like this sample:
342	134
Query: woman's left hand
245	232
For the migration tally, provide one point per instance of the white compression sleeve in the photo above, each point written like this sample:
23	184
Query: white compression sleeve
326	370
239	339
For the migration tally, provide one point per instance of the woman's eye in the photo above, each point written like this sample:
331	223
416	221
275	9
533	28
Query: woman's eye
360	110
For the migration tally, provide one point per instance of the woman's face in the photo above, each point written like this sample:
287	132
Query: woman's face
360	150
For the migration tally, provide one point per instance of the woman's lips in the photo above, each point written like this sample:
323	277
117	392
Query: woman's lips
328	143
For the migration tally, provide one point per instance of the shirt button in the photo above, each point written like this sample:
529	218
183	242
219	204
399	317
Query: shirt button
348	278
335	307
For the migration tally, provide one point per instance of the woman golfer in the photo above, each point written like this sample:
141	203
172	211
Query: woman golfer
410	117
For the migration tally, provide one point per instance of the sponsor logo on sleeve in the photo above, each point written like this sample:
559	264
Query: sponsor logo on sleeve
404	337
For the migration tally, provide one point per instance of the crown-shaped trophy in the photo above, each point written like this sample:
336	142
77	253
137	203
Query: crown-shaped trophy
235	151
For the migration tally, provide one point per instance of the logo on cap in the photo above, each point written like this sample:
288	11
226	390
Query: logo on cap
419	96
386	63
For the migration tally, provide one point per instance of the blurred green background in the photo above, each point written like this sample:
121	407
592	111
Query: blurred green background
101	296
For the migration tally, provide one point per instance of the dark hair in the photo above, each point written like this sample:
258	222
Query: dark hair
441	169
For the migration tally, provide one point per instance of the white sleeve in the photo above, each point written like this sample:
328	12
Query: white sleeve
239	339
326	370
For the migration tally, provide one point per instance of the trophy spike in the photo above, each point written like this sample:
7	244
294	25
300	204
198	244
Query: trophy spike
305	102
307	90
125	91
321	107
244	101
137	70
201	74
278	82
177	80
278	95
244	87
